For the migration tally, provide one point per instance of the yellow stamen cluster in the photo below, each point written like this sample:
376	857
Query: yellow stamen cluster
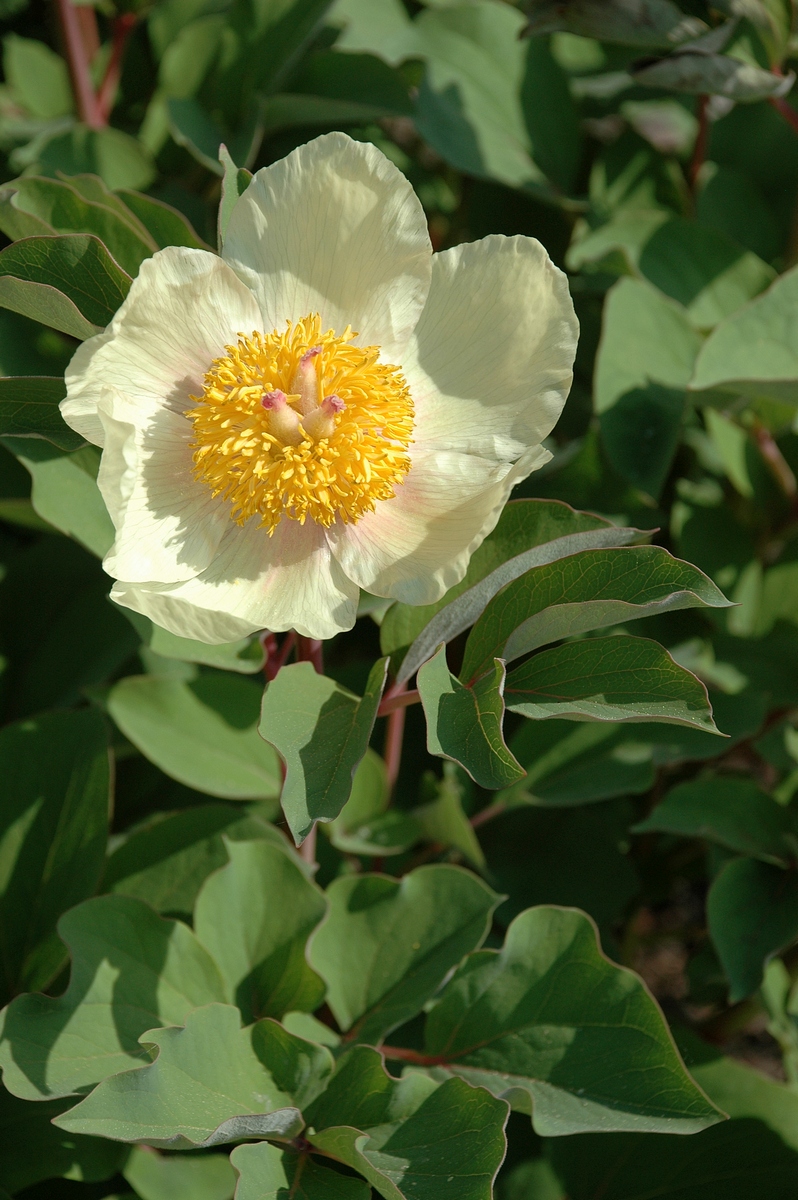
302	424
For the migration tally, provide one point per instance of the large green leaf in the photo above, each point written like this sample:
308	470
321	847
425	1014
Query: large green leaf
590	590
31	206
65	492
754	352
712	74
203	733
565	1034
465	723
53	830
752	911
411	1139
554	530
609	679
321	732
131	971
70	283
255	916
269	1173
178	1176
366	824
29	408
387	943
32	1149
630	22
245	656
165	225
207	1086
732	812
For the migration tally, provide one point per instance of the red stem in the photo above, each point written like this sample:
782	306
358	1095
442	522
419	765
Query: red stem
79	66
402	1054
269	643
311	650
702	138
394	736
307	850
123	26
786	110
394	700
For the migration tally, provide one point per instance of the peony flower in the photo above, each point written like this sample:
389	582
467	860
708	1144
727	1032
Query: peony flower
328	406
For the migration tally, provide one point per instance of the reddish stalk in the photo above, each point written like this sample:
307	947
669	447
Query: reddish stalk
402	1054
487	814
394	734
307	850
123	26
269	643
786	110
74	29
311	650
393	700
701	142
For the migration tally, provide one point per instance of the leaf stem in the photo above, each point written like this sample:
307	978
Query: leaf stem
394	707
786	110
701	141
122	28
402	1054
307	851
311	650
393	700
77	56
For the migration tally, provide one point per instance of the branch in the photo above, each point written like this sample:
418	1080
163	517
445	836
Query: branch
77	56
122	28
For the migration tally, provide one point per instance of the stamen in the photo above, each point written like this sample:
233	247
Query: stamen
306	382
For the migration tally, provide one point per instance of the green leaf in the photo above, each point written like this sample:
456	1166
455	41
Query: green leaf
734	1161
166	860
639	23
70	283
465	723
193	128
165	225
387	943
467	603
246	656
564	1033
590	590
321	732
65	492
37	76
443	820
268	1173
32	1149
235	182
644	363
203	733
754	352
53	832
254	916
609	679
178	1177
422	1140
32	206
120	160
364	826
713	74
551	116
131	971
29	408
730	812
207	1086
752	910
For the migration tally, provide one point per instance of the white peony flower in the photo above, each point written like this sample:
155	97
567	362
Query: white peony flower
328	406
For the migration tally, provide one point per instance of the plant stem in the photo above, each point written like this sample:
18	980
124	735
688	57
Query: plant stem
487	814
394	736
702	138
311	650
402	1054
122	28
786	110
779	467
307	850
77	55
394	700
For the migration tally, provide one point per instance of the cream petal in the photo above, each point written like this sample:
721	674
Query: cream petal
287	581
168	525
183	308
416	546
334	228
490	362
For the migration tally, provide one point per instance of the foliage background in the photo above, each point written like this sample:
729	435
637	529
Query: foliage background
665	182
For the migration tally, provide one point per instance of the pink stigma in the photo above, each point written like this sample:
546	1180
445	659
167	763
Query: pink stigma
271	400
333	403
310	354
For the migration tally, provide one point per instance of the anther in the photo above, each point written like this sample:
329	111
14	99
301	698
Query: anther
305	382
283	421
321	422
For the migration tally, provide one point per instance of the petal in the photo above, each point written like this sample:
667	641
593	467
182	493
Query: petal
490	363
287	581
168	525
183	308
334	228
418	545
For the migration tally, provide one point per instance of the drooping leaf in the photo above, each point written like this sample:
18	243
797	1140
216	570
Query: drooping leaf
713	74
590	590
53	830
422	1141
179	1177
630	22
321	732
165	225
202	733
606	1061
387	943
609	679
131	971
254	916
268	1173
65	492
245	656
465	723
70	282
366	825
29	408
752	911
731	812
207	1086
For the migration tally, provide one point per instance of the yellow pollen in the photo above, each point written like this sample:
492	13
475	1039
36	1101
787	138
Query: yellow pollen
302	424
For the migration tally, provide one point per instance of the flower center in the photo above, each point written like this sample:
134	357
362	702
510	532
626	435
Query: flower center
302	424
